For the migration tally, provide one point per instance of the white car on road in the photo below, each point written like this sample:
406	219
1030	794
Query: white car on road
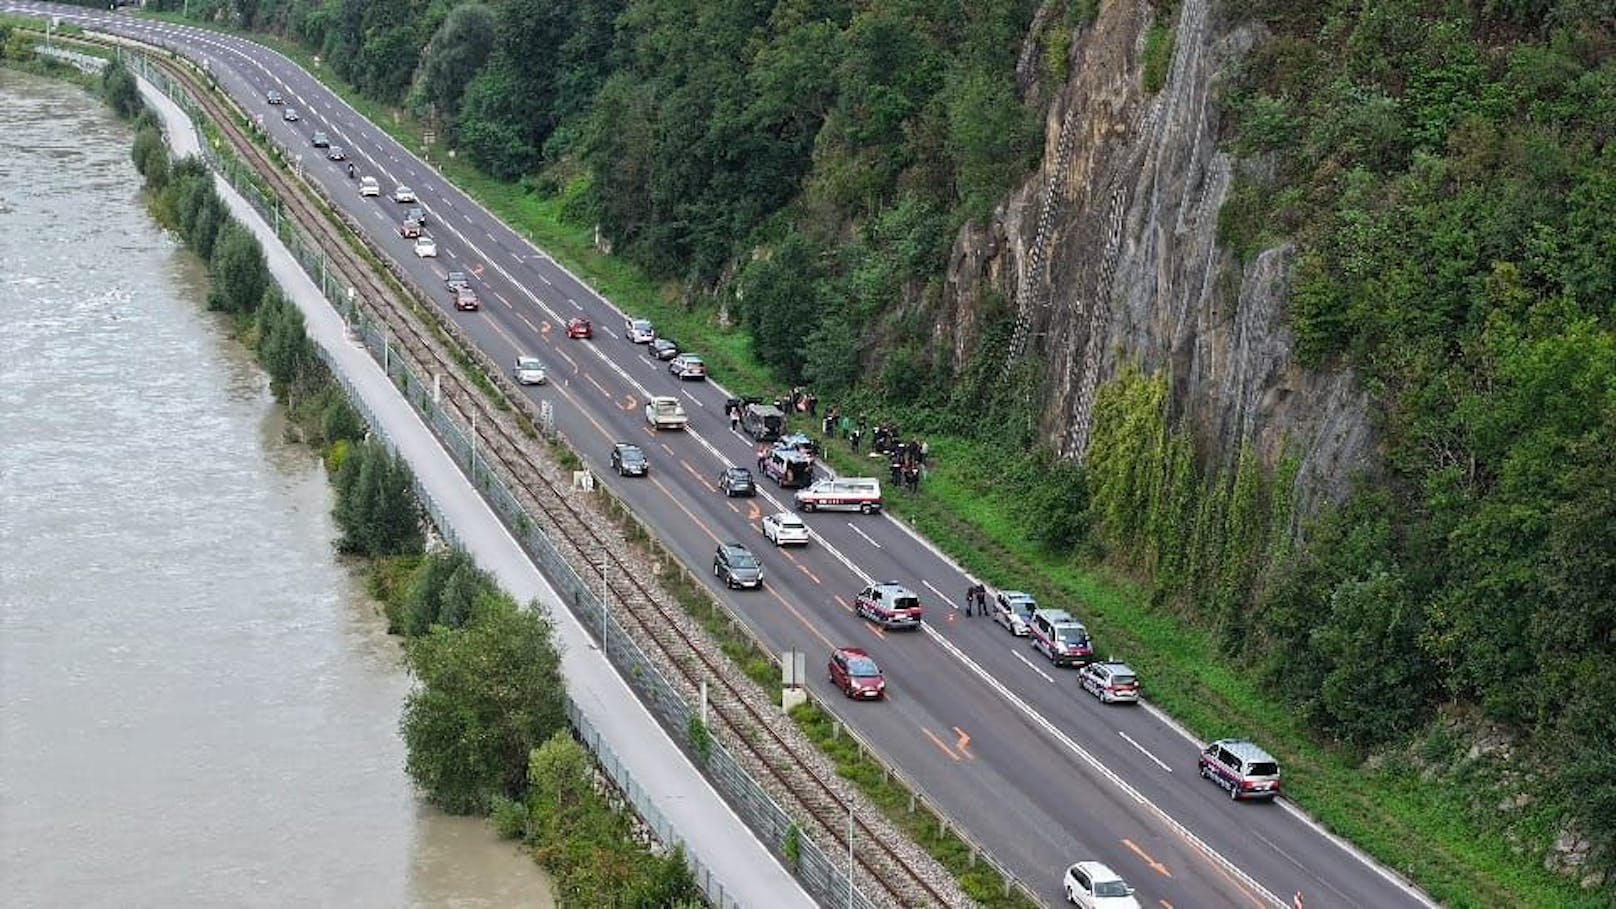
426	247
785	529
403	194
369	187
530	371
1094	886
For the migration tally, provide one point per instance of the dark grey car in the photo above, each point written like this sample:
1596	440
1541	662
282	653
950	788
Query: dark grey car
736	566
628	460
737	481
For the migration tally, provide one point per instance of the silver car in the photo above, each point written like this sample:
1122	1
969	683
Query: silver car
785	529
530	371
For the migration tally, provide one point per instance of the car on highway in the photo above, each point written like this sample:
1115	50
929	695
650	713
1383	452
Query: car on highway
688	366
1110	681
290	115
335	153
1061	638
408	229
426	247
788	468
465	300
1248	772
418	215
629	461
1092	885
1013	609
274	98
890	605
530	371
664	348
639	331
854	672
369	187
736	566
736	481
785	529
403	194
320	140
580	328
455	280
663	412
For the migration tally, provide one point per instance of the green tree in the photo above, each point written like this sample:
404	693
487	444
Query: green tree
489	694
457	50
237	270
119	88
376	509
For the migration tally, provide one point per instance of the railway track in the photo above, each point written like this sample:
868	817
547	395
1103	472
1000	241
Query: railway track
748	724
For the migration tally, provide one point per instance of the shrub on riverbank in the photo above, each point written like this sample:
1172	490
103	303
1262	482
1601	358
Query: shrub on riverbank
587	842
489	693
376	507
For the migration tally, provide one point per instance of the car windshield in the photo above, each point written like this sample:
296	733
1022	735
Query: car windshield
1263	768
629	453
742	559
862	667
791	522
740	474
1110	888
1071	634
641	325
456	277
525	362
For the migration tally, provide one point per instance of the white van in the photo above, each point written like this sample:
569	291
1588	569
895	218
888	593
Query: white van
842	494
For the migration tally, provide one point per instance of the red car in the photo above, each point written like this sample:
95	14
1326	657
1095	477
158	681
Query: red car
580	328
466	300
852	670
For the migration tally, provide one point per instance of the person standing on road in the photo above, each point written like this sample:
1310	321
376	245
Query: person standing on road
970	599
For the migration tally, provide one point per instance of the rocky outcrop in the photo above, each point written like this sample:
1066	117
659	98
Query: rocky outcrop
1109	257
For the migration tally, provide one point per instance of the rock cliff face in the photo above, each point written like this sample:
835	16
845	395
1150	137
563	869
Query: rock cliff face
1109	258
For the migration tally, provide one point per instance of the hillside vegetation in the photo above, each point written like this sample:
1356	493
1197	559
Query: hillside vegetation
798	169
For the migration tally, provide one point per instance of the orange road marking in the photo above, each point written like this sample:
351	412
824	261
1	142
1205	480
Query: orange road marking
667	448
529	323
940	744
845	604
686	465
1155	866
753	512
544	327
963	743
476	269
597	385
800	566
1165	904
632	402
875	628
800	617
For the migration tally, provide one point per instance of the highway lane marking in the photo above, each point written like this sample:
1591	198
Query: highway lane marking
501	298
541	277
667	448
629	402
800	566
812	628
575	304
563	355
1018	655
1144	751
1144	856
692	398
597	385
941	596
1346	900
875	628
467	217
866	536
940	744
963	743
529	323
842	600
692	470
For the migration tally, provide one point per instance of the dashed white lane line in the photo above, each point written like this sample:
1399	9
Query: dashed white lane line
692	398
867	537
545	280
575	304
1023	658
941	596
1144	751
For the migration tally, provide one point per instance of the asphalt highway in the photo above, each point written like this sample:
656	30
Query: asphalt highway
1018	756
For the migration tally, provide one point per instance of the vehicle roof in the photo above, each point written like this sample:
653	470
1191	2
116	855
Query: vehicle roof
733	546
767	410
664	399
1244	750
891	585
1116	666
690	358
854	652
529	359
576	319
789	454
737	469
638	322
1098	871
1017	595
786	517
1057	616
626	446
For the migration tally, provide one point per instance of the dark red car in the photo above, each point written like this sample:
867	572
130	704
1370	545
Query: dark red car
466	300
580	328
855	673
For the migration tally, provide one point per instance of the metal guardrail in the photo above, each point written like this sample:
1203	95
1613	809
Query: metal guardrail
819	873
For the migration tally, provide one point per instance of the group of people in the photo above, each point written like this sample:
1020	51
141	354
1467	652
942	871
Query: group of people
801	401
976	599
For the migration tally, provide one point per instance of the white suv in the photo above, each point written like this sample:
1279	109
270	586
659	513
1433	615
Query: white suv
1094	886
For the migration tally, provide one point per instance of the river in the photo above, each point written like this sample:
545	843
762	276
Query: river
198	704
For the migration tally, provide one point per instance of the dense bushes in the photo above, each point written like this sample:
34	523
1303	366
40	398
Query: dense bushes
1450	177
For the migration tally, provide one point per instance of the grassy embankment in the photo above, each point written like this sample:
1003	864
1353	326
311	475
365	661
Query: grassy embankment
1418	829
